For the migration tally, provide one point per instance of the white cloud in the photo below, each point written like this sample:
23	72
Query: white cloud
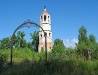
70	43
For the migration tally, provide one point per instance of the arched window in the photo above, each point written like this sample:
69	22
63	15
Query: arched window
44	18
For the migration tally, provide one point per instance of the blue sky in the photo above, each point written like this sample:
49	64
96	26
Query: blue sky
67	16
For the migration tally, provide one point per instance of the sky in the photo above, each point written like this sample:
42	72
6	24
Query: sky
67	16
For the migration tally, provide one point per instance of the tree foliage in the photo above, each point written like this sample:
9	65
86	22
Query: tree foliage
35	40
83	43
86	43
92	38
58	42
22	41
82	37
5	43
58	45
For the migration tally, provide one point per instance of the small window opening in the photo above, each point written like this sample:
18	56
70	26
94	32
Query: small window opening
41	35
44	18
41	17
48	18
49	34
45	34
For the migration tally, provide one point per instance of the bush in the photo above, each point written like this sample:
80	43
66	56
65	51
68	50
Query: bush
3	59
57	63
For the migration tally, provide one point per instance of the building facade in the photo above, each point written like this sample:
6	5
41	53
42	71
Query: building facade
45	23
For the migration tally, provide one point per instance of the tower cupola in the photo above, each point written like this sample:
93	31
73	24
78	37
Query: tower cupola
44	8
45	20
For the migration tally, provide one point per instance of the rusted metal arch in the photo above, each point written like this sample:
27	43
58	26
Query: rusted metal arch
28	24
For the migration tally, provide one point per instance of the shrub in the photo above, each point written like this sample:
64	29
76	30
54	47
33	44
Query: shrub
3	59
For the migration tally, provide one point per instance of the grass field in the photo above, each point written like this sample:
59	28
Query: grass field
27	62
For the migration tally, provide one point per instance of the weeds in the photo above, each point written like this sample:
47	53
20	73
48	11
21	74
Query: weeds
27	62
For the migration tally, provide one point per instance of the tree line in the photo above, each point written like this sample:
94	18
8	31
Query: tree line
20	42
86	48
87	45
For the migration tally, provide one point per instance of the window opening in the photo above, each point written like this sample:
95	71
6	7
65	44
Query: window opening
49	34
44	18
48	18
41	17
41	35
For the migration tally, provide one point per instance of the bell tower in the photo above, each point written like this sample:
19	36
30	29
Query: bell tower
45	23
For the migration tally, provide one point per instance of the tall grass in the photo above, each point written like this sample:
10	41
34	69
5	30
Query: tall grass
26	62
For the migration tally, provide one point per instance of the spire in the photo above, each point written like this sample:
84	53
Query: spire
44	8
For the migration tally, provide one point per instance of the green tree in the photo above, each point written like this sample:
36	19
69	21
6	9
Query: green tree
82	37
92	38
93	42
5	43
93	46
0	44
58	45
19	39
81	50
58	50
29	45
83	43
35	40
95	52
58	42
16	41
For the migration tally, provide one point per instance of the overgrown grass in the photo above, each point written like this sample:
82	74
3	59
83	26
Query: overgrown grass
26	62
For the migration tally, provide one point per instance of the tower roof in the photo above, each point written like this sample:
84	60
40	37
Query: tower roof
44	12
